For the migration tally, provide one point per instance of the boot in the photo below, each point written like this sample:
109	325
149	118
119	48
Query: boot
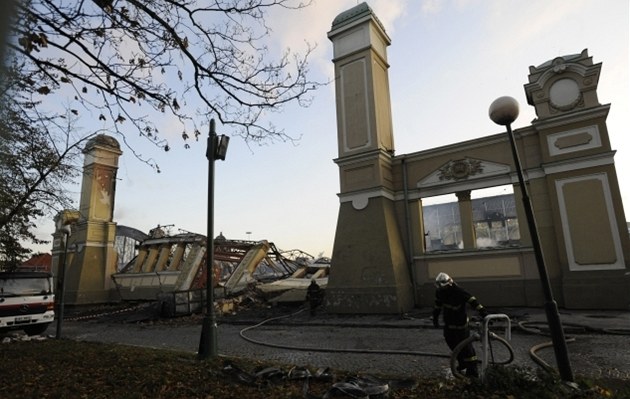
471	371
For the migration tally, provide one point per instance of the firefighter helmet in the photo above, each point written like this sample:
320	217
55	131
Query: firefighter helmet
443	280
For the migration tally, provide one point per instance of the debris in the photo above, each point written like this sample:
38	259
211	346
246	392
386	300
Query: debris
18	337
172	269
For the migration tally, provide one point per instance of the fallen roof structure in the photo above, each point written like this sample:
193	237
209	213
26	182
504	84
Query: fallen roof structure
172	269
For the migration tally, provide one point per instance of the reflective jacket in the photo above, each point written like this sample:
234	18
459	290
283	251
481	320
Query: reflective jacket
452	301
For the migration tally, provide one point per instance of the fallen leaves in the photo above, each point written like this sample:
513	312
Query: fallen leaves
74	369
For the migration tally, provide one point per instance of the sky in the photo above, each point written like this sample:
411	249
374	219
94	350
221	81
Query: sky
449	59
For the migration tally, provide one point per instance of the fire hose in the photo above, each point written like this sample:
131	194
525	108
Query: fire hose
320	349
470	340
452	356
533	352
482	333
524	326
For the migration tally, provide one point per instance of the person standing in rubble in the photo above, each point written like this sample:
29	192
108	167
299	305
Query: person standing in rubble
314	296
451	300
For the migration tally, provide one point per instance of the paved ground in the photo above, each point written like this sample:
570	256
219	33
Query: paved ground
405	345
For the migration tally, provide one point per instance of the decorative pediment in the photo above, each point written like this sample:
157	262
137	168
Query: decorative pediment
458	170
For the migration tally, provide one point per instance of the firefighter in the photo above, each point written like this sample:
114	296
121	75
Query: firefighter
453	299
314	296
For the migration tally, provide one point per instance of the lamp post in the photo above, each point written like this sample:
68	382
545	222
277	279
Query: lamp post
217	148
62	224
503	111
61	280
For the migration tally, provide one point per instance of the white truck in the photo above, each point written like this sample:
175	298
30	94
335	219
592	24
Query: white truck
27	301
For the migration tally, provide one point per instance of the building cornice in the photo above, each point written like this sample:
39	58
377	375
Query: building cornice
586	115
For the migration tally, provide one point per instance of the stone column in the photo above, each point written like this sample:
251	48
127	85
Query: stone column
469	236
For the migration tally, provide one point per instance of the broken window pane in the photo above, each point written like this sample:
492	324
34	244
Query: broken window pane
494	217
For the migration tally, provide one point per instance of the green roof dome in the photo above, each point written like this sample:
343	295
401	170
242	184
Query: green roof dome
353	14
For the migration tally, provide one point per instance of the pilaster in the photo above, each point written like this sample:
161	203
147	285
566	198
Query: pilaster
466	216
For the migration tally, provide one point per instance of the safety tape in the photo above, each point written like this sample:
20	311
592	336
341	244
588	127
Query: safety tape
94	316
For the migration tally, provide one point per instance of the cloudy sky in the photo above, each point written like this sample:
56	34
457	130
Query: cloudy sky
449	59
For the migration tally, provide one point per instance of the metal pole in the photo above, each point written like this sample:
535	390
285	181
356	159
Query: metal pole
61	287
208	339
485	338
551	307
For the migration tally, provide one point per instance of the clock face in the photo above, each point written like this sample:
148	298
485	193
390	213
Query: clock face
564	94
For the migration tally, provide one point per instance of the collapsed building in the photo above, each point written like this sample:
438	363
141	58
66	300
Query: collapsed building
103	262
107	262
173	270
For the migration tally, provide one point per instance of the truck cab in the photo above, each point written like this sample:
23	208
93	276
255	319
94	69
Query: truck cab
27	301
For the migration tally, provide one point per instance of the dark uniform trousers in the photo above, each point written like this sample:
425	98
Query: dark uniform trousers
466	359
453	300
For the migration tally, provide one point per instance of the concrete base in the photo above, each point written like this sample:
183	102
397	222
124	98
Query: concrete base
365	300
369	273
88	274
611	291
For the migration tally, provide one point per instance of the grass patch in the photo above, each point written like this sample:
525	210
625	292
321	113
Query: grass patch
73	369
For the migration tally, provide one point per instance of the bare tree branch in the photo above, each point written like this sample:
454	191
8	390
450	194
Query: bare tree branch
162	52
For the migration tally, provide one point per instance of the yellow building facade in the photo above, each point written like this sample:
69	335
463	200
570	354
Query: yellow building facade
380	262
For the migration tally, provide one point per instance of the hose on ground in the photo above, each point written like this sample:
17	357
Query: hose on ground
320	349
539	361
525	326
470	340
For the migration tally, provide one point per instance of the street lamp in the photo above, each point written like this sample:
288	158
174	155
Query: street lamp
63	222
503	111
217	148
61	279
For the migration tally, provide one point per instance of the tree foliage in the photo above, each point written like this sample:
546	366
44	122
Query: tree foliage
128	68
38	157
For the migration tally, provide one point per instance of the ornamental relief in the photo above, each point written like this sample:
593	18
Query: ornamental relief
460	169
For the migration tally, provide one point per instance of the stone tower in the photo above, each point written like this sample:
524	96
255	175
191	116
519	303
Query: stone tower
91	256
580	173
372	278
